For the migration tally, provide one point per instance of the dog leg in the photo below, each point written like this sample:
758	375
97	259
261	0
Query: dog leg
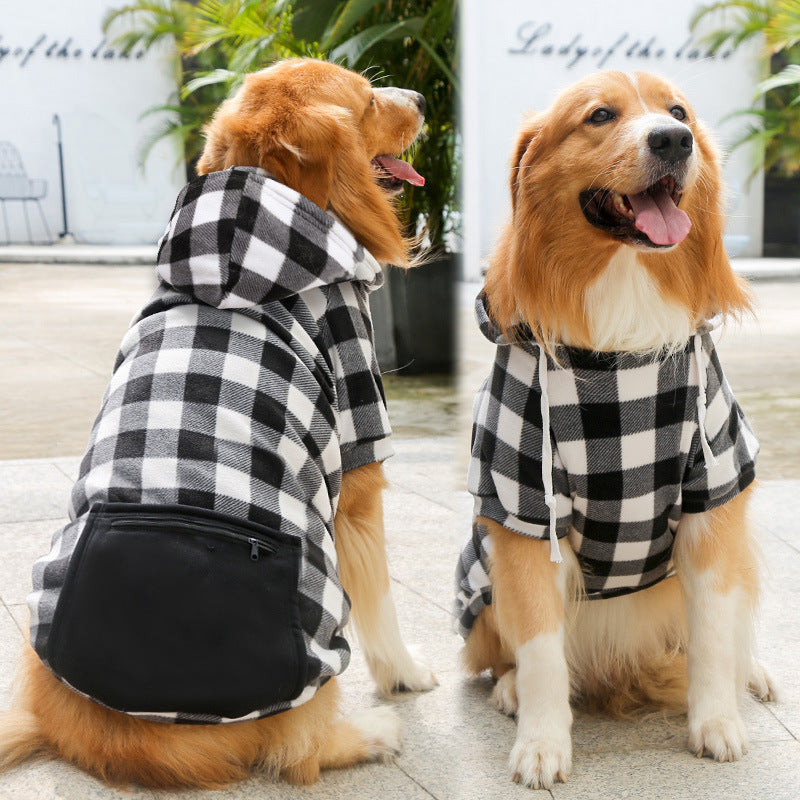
361	548
715	557
528	598
374	734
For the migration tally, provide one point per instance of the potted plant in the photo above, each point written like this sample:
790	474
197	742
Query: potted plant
775	130
406	43
411	44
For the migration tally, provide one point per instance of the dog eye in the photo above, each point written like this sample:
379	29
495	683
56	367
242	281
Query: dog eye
678	112
601	116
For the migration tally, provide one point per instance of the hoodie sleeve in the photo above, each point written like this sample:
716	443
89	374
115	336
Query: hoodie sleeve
238	239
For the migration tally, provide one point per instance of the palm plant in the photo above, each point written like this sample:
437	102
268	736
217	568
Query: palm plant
404	42
776	105
214	42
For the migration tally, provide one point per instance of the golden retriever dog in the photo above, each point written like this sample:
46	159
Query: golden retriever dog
611	561
198	580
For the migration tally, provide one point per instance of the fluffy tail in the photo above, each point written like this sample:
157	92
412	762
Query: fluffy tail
20	738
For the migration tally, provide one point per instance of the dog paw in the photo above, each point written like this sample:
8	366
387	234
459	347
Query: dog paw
504	694
721	738
382	730
412	675
417	677
540	763
761	684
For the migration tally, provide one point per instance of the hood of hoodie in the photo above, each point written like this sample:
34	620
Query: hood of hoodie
238	238
523	336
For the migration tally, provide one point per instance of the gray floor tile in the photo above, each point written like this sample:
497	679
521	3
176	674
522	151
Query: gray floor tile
55	780
11	642
768	772
423	542
21	543
21	615
31	490
364	782
428	466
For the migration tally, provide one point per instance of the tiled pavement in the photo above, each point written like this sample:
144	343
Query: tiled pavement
456	745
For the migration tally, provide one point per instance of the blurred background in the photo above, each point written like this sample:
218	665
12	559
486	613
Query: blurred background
104	104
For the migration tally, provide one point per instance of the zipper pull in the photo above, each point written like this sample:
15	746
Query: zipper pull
254	545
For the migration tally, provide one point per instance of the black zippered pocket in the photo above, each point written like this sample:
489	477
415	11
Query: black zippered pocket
179	609
214	530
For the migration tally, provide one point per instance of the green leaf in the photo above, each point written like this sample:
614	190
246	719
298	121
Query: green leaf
354	48
310	18
208	79
352	13
787	77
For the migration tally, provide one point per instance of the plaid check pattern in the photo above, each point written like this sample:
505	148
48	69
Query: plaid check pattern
627	458
247	385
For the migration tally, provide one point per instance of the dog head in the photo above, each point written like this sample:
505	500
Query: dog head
325	132
619	168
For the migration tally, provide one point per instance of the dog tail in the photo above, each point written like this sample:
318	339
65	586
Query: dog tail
20	738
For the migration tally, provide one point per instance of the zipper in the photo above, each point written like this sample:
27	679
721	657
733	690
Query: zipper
219	530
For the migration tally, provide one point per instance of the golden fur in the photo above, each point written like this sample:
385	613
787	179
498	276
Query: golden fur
315	127
629	653
543	275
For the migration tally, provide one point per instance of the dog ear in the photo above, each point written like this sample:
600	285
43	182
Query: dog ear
529	135
302	152
297	148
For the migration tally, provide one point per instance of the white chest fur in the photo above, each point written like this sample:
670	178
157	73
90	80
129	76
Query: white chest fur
627	312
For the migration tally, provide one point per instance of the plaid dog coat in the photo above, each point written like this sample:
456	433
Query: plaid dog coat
240	393
634	441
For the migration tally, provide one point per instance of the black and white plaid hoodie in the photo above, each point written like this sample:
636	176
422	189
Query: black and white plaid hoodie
246	386
633	441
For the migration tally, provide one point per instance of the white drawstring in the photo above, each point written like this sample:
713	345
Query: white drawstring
547	457
710	458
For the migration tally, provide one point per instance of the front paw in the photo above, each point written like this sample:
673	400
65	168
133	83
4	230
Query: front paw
540	763
721	738
411	675
416	677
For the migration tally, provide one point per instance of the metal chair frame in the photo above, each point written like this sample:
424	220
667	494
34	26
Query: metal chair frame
15	185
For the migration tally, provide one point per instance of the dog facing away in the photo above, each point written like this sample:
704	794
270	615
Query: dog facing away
199	580
611	561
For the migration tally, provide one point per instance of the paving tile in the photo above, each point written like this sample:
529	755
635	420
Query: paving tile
777	629
428	467
21	543
32	490
423	541
460	745
768	772
20	614
55	780
363	782
11	642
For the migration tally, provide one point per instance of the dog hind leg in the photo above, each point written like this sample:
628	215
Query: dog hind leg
361	549
370	735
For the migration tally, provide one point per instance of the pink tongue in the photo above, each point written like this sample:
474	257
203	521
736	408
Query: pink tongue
401	170
658	217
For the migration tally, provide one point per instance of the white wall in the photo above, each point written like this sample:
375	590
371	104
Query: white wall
53	60
517	55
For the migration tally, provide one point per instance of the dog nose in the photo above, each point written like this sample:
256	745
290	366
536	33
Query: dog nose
421	102
671	142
